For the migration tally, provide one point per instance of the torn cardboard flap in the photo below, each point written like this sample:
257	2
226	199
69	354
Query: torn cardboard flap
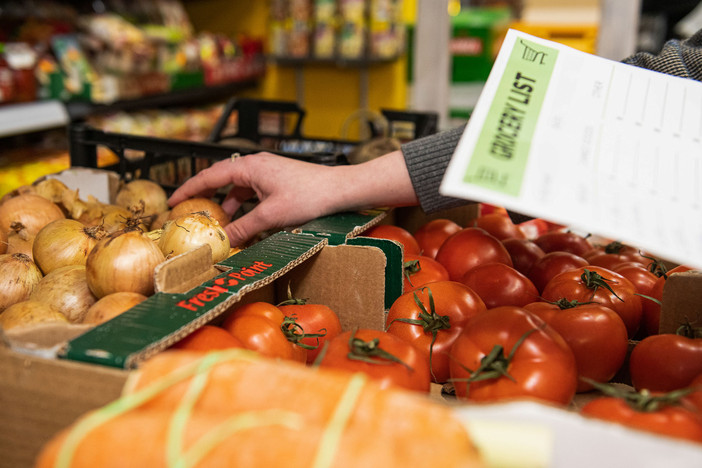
682	301
101	184
185	271
43	339
355	291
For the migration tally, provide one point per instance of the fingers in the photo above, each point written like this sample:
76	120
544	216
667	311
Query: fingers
244	228
204	182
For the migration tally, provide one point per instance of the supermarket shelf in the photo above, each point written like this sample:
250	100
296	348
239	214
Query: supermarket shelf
16	119
81	110
337	62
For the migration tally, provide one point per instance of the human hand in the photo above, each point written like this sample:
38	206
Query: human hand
293	192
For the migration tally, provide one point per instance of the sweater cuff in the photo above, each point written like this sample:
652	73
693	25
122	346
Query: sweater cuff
426	159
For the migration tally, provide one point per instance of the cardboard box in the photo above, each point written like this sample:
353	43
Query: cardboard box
45	388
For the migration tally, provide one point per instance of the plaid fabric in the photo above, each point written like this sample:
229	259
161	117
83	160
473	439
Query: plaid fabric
679	58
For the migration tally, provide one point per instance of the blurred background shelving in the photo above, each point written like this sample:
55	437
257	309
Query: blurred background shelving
166	67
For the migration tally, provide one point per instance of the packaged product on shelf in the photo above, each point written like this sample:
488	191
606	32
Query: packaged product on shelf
22	58
277	38
300	33
7	88
353	29
79	75
324	28
386	30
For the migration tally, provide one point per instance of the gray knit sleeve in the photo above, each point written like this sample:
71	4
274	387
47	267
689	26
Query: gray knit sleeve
679	58
427	159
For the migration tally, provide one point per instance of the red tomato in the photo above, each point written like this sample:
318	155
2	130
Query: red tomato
536	359
665	419
651	309
665	362
259	326
533	228
552	264
609	255
498	284
383	356
469	248
595	333
499	225
433	233
420	270
642	278
566	241
523	253
595	284
314	320
436	323
397	234
695	398
208	338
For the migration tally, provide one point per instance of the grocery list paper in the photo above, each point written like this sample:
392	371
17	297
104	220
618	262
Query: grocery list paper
603	147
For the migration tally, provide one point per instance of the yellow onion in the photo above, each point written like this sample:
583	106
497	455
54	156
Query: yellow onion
160	220
111	306
123	261
51	189
19	276
192	230
27	313
66	289
33	211
150	193
64	242
3	242
19	240
22	189
200	204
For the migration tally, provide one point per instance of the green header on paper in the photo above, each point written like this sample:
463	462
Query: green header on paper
502	150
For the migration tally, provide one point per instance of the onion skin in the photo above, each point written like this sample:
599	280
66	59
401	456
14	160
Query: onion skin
28	313
64	242
111	306
200	204
33	211
19	276
154	197
3	242
51	189
19	240
66	289
123	261
191	231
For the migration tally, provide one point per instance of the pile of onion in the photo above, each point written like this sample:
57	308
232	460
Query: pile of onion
123	261
193	230
64	242
19	276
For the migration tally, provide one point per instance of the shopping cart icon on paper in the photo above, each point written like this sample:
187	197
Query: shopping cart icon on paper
532	55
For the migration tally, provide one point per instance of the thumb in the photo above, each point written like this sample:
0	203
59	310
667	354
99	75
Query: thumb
244	228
